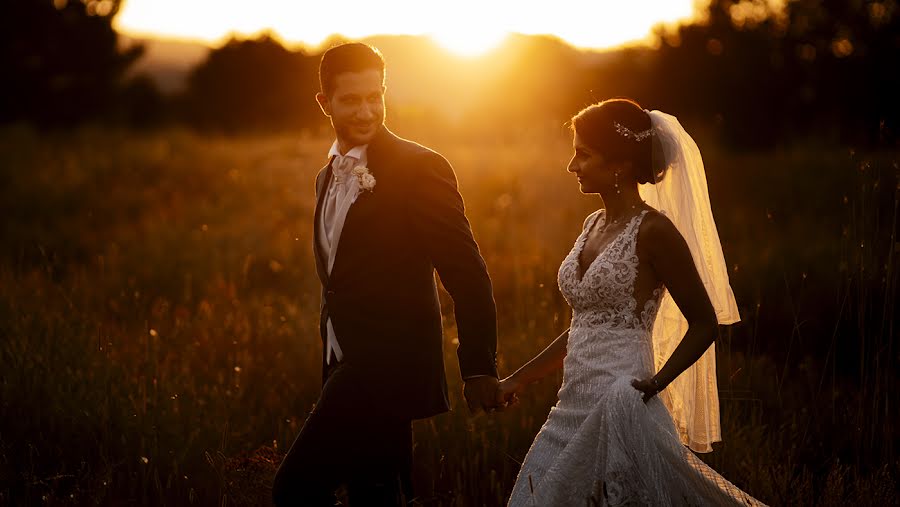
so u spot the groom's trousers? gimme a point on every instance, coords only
(348, 439)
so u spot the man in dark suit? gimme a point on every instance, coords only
(388, 214)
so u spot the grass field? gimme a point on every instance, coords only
(158, 316)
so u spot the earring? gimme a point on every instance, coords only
(616, 185)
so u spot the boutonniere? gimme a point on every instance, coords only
(364, 177)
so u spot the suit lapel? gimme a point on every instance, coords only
(321, 261)
(376, 157)
(379, 147)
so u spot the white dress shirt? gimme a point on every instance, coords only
(341, 194)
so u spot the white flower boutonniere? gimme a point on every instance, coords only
(364, 177)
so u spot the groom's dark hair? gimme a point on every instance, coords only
(350, 57)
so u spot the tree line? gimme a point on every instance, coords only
(761, 75)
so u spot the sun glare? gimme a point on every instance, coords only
(465, 27)
(468, 44)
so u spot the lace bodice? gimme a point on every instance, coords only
(604, 296)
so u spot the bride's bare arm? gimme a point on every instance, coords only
(671, 260)
(543, 364)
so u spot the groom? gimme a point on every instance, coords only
(388, 214)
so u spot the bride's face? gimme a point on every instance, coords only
(594, 174)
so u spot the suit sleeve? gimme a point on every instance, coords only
(438, 216)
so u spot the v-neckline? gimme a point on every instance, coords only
(584, 239)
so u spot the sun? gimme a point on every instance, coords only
(469, 44)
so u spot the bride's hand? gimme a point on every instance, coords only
(649, 388)
(510, 389)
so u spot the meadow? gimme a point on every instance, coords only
(159, 312)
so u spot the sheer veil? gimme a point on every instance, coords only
(681, 194)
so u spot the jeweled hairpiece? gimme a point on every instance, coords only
(624, 131)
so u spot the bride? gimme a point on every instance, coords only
(648, 285)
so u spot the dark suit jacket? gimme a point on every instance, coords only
(381, 294)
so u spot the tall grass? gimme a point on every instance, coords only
(158, 316)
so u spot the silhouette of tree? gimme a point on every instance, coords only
(253, 85)
(61, 61)
(769, 75)
(140, 103)
(845, 55)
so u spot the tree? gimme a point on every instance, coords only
(254, 84)
(768, 75)
(61, 61)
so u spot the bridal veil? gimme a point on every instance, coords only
(681, 193)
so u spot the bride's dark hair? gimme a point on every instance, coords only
(597, 127)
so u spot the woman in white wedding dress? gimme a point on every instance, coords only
(648, 285)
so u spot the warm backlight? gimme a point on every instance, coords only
(468, 44)
(467, 27)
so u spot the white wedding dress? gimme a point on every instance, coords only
(601, 445)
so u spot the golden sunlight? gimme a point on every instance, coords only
(469, 44)
(468, 27)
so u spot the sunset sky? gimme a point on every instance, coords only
(466, 26)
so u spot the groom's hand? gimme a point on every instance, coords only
(482, 393)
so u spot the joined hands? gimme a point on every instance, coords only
(483, 394)
(490, 395)
(509, 389)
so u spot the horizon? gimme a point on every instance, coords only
(648, 42)
(168, 61)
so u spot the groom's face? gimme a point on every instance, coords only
(355, 106)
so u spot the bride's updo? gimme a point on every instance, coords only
(620, 130)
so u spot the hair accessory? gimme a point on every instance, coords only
(624, 131)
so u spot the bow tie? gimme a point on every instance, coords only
(342, 166)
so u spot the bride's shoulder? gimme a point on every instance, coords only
(654, 219)
(592, 217)
(658, 231)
